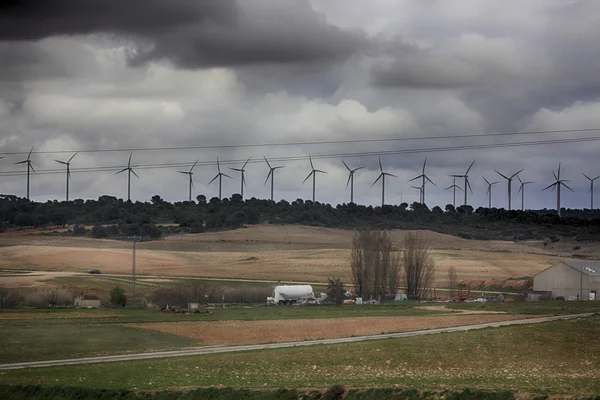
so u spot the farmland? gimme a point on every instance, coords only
(548, 358)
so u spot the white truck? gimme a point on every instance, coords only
(292, 294)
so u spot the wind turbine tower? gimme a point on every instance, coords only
(351, 179)
(522, 191)
(219, 175)
(591, 190)
(424, 178)
(68, 164)
(29, 168)
(382, 176)
(467, 183)
(313, 173)
(271, 175)
(489, 191)
(243, 180)
(129, 172)
(509, 179)
(454, 186)
(190, 173)
(556, 185)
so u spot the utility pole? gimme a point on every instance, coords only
(581, 286)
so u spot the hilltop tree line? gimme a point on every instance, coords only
(113, 217)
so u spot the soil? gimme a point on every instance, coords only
(253, 332)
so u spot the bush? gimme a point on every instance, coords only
(335, 392)
(117, 297)
(79, 230)
(9, 299)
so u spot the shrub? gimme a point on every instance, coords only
(117, 297)
(52, 297)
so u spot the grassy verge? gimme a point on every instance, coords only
(550, 358)
(552, 307)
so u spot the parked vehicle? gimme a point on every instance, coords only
(292, 294)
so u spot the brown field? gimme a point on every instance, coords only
(269, 252)
(253, 332)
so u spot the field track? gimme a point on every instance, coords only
(229, 349)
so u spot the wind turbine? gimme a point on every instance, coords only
(219, 175)
(425, 178)
(489, 191)
(313, 172)
(190, 174)
(129, 172)
(522, 191)
(271, 175)
(382, 176)
(556, 185)
(420, 189)
(351, 179)
(29, 168)
(509, 185)
(591, 190)
(467, 184)
(454, 186)
(68, 164)
(242, 170)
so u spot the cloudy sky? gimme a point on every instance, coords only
(185, 80)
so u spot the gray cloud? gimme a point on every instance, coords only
(191, 34)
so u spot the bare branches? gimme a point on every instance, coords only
(418, 265)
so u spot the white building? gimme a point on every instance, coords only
(570, 279)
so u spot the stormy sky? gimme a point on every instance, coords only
(185, 80)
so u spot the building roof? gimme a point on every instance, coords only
(591, 268)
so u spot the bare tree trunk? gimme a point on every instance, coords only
(419, 267)
(452, 280)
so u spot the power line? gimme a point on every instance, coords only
(317, 156)
(310, 143)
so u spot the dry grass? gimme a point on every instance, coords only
(295, 253)
(252, 332)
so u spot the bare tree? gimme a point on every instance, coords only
(375, 264)
(418, 265)
(452, 280)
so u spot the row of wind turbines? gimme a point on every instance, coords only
(423, 177)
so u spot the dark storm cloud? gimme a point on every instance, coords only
(191, 34)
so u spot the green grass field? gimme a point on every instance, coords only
(561, 357)
(37, 334)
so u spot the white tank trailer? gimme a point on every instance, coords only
(291, 294)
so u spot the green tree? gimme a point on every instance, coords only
(117, 297)
(335, 290)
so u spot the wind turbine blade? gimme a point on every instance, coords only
(21, 162)
(182, 172)
(62, 162)
(470, 166)
(309, 175)
(268, 176)
(519, 178)
(516, 173)
(321, 171)
(567, 186)
(311, 163)
(31, 166)
(558, 170)
(68, 174)
(356, 169)
(555, 177)
(218, 166)
(133, 172)
(267, 161)
(346, 165)
(586, 176)
(502, 175)
(193, 165)
(520, 188)
(596, 178)
(415, 178)
(424, 164)
(493, 183)
(469, 185)
(550, 186)
(246, 163)
(486, 181)
(213, 179)
(430, 181)
(191, 181)
(380, 167)
(129, 162)
(224, 174)
(449, 187)
(30, 151)
(459, 188)
(387, 173)
(279, 167)
(376, 180)
(236, 169)
(72, 157)
(123, 170)
(244, 180)
(349, 177)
